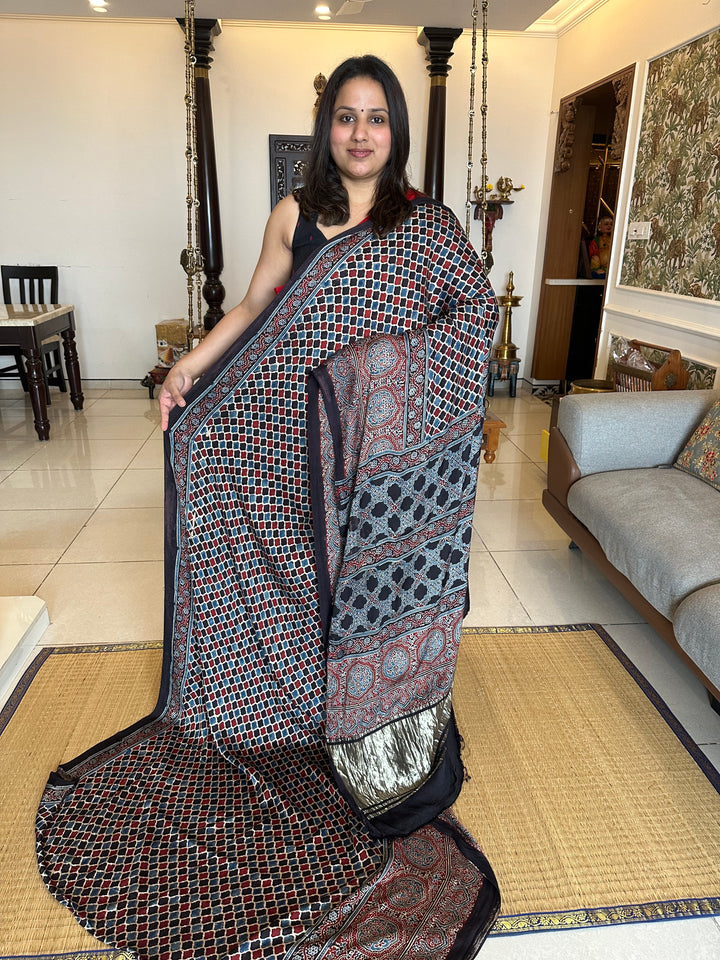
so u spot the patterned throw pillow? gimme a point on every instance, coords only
(701, 456)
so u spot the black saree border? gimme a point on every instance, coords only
(484, 913)
(320, 384)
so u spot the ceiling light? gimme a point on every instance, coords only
(100, 9)
(322, 9)
(324, 16)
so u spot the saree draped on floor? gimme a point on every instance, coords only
(288, 796)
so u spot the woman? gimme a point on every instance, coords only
(288, 796)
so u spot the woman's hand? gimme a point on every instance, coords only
(273, 270)
(173, 390)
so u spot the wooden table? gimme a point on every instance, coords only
(25, 326)
(491, 435)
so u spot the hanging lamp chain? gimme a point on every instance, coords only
(471, 118)
(483, 132)
(483, 120)
(191, 258)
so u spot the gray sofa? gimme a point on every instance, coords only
(653, 530)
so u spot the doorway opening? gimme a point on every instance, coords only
(589, 155)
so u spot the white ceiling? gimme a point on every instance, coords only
(502, 14)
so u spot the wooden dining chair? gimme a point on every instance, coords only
(34, 285)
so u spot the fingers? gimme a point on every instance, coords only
(171, 395)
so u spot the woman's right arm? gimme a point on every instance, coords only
(273, 270)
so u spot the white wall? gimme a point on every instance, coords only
(92, 176)
(520, 77)
(619, 33)
(95, 177)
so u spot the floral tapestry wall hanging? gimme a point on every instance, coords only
(677, 176)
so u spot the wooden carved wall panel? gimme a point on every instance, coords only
(566, 134)
(288, 156)
(622, 86)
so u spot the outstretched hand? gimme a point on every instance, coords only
(172, 393)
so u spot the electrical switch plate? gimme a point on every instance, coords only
(639, 230)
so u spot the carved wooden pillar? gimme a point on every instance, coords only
(210, 232)
(438, 43)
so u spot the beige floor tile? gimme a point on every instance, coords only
(22, 580)
(3, 474)
(10, 395)
(537, 402)
(127, 393)
(106, 428)
(58, 402)
(18, 423)
(151, 455)
(518, 423)
(672, 940)
(517, 525)
(13, 453)
(502, 402)
(62, 489)
(109, 407)
(104, 602)
(529, 444)
(510, 481)
(492, 600)
(135, 488)
(563, 586)
(84, 454)
(507, 452)
(38, 536)
(93, 393)
(118, 535)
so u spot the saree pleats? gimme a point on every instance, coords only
(288, 796)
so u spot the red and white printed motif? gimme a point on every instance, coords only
(428, 892)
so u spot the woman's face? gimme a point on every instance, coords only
(360, 132)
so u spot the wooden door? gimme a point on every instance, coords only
(567, 203)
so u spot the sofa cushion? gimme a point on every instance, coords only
(624, 431)
(659, 527)
(701, 456)
(696, 629)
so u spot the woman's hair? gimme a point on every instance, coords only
(323, 192)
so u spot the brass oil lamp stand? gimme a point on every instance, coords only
(504, 362)
(506, 349)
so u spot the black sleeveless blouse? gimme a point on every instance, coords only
(307, 240)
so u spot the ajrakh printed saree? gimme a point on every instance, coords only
(288, 796)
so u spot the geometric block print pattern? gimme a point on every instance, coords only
(215, 828)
